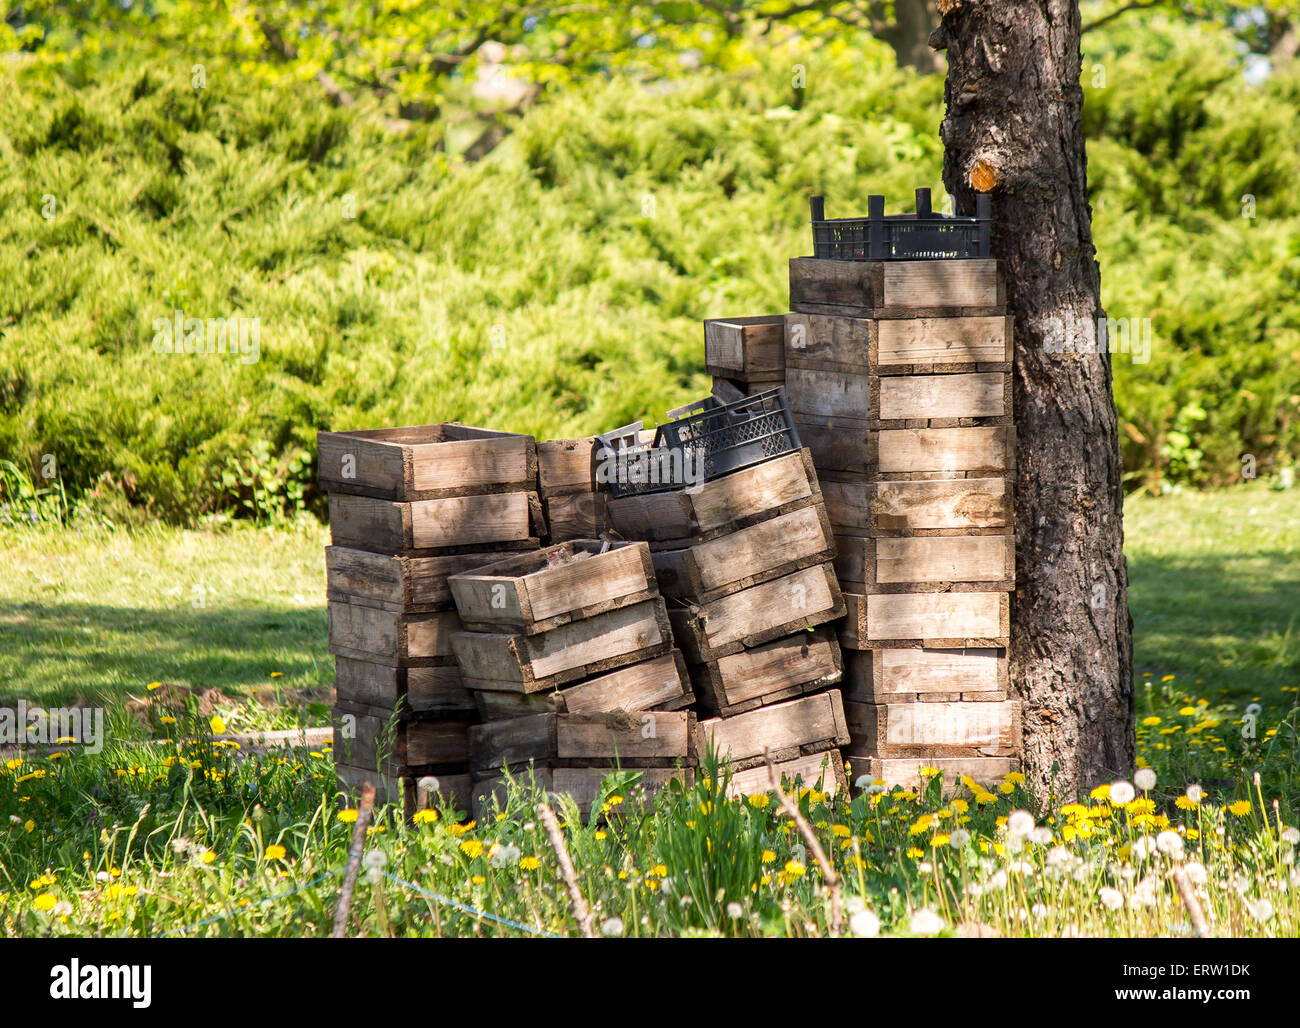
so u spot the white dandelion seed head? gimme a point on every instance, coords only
(1169, 843)
(864, 924)
(684, 902)
(925, 867)
(666, 886)
(1111, 899)
(612, 928)
(428, 784)
(1020, 822)
(863, 782)
(505, 856)
(102, 876)
(1143, 849)
(853, 904)
(1121, 793)
(376, 859)
(735, 910)
(1261, 910)
(14, 819)
(1195, 793)
(1038, 911)
(925, 922)
(1041, 836)
(62, 909)
(1058, 856)
(959, 838)
(998, 880)
(1291, 835)
(1145, 779)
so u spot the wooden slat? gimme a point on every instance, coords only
(830, 394)
(459, 523)
(406, 583)
(979, 395)
(922, 342)
(945, 620)
(980, 563)
(414, 691)
(965, 504)
(564, 467)
(922, 284)
(947, 449)
(577, 516)
(814, 719)
(823, 771)
(989, 729)
(904, 772)
(785, 667)
(896, 674)
(386, 637)
(747, 349)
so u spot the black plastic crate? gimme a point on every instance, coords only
(901, 237)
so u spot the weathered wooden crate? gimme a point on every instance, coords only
(966, 505)
(932, 563)
(938, 729)
(822, 771)
(897, 289)
(663, 738)
(976, 399)
(658, 684)
(565, 467)
(576, 516)
(749, 350)
(785, 731)
(747, 557)
(455, 524)
(682, 517)
(535, 592)
(512, 662)
(920, 673)
(422, 462)
(776, 671)
(952, 620)
(367, 740)
(849, 446)
(408, 584)
(860, 345)
(759, 614)
(582, 784)
(387, 636)
(905, 772)
(454, 790)
(411, 692)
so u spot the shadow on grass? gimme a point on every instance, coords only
(56, 652)
(1231, 621)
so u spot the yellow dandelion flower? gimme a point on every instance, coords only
(348, 816)
(218, 724)
(1151, 722)
(1241, 808)
(275, 852)
(45, 901)
(425, 817)
(153, 685)
(928, 772)
(914, 853)
(759, 800)
(530, 863)
(768, 856)
(1102, 792)
(794, 869)
(472, 848)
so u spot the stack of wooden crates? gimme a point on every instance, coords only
(409, 507)
(898, 374)
(569, 656)
(745, 560)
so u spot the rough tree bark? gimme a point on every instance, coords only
(1013, 128)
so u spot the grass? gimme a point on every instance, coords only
(145, 840)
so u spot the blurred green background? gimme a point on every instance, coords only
(517, 217)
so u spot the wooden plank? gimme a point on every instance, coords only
(897, 674)
(944, 620)
(747, 557)
(947, 449)
(387, 637)
(956, 283)
(935, 729)
(565, 654)
(979, 395)
(823, 771)
(758, 614)
(413, 691)
(747, 349)
(786, 667)
(860, 508)
(828, 394)
(409, 584)
(565, 467)
(819, 341)
(536, 592)
(425, 461)
(428, 527)
(366, 741)
(724, 505)
(905, 772)
(897, 289)
(658, 684)
(577, 516)
(922, 342)
(980, 563)
(808, 721)
(582, 784)
(849, 283)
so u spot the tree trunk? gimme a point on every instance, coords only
(908, 32)
(1013, 128)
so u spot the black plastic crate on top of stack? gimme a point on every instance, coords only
(898, 372)
(743, 553)
(569, 657)
(409, 507)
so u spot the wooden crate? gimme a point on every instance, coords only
(966, 505)
(456, 524)
(776, 671)
(861, 345)
(748, 350)
(658, 684)
(582, 784)
(576, 516)
(747, 557)
(663, 738)
(850, 446)
(565, 467)
(905, 772)
(901, 401)
(422, 462)
(759, 614)
(918, 673)
(953, 620)
(937, 729)
(409, 584)
(505, 662)
(536, 592)
(932, 563)
(367, 740)
(682, 517)
(386, 636)
(785, 731)
(897, 289)
(411, 692)
(823, 771)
